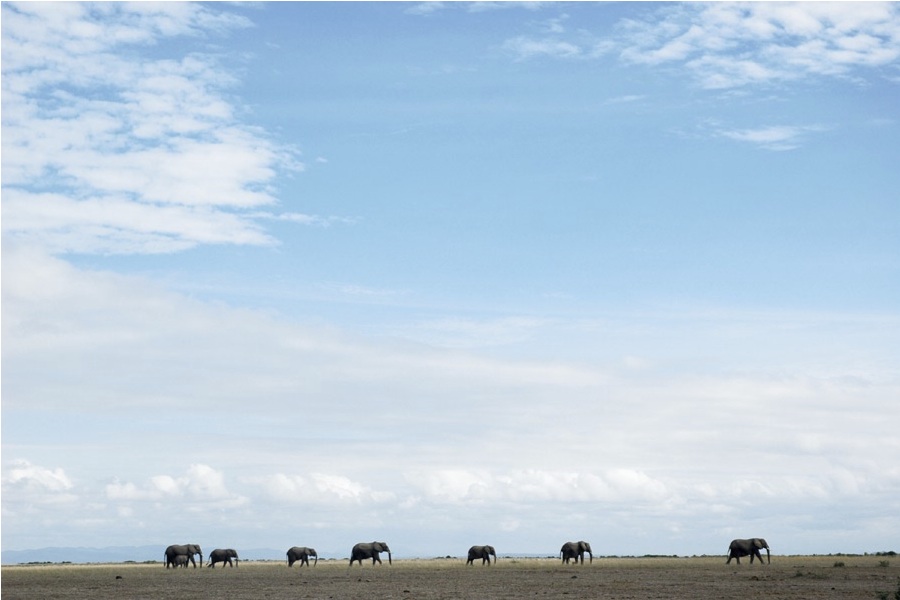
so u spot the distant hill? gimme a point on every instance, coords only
(116, 554)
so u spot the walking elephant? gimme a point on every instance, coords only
(223, 555)
(575, 550)
(188, 550)
(751, 548)
(301, 553)
(482, 552)
(180, 560)
(369, 550)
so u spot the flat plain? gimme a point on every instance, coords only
(697, 578)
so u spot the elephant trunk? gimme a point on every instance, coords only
(389, 559)
(315, 562)
(591, 554)
(768, 556)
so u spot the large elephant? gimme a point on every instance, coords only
(180, 560)
(751, 548)
(188, 550)
(223, 555)
(369, 550)
(482, 552)
(575, 550)
(301, 553)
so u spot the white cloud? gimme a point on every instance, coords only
(536, 486)
(320, 491)
(729, 45)
(734, 44)
(23, 474)
(201, 483)
(784, 137)
(476, 7)
(524, 48)
(425, 8)
(107, 153)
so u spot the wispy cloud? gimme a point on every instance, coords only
(425, 8)
(103, 152)
(488, 6)
(734, 44)
(525, 47)
(784, 137)
(729, 45)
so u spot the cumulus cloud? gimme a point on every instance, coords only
(537, 486)
(200, 483)
(32, 477)
(320, 489)
(28, 488)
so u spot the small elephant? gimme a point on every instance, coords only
(575, 550)
(180, 560)
(751, 548)
(482, 552)
(369, 550)
(223, 556)
(188, 550)
(301, 553)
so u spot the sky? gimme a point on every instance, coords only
(447, 274)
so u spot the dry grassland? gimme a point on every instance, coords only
(705, 578)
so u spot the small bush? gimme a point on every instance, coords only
(884, 563)
(839, 564)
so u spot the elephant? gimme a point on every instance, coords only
(301, 553)
(482, 552)
(223, 556)
(181, 560)
(188, 550)
(575, 550)
(369, 550)
(751, 548)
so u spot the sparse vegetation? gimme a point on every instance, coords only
(513, 577)
(887, 595)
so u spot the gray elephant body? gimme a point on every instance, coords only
(575, 550)
(223, 555)
(369, 550)
(482, 552)
(188, 550)
(301, 553)
(751, 548)
(180, 560)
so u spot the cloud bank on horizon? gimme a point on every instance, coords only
(310, 273)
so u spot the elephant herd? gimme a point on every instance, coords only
(181, 555)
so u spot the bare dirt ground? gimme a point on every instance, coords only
(704, 578)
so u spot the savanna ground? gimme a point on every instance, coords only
(698, 578)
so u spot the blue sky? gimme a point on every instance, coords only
(444, 274)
